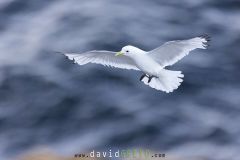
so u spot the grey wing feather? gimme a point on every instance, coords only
(106, 58)
(172, 51)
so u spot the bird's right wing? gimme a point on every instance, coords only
(171, 52)
(106, 58)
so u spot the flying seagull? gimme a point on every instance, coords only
(151, 63)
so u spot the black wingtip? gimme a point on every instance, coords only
(206, 37)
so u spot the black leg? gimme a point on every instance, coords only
(150, 78)
(144, 75)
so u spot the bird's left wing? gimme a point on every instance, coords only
(171, 52)
(106, 58)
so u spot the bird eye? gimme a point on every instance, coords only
(127, 51)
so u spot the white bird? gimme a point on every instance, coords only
(151, 63)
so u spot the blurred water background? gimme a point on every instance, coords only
(47, 101)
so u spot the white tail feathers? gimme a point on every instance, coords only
(167, 80)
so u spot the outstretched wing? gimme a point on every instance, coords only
(106, 58)
(172, 51)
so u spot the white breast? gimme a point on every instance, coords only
(147, 64)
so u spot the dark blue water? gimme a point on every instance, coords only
(48, 102)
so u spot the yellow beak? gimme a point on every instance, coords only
(119, 54)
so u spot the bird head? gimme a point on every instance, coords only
(128, 51)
